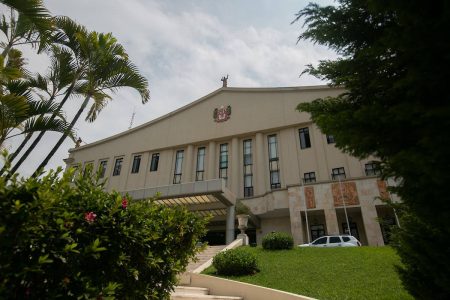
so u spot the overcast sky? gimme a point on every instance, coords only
(184, 48)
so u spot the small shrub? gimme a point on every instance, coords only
(235, 262)
(277, 241)
(72, 240)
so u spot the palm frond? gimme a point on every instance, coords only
(33, 10)
(45, 123)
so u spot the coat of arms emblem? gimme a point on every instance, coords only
(222, 113)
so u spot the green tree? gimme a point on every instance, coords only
(393, 62)
(107, 69)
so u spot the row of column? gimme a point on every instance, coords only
(212, 167)
(260, 165)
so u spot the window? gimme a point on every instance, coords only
(334, 239)
(274, 168)
(248, 164)
(154, 162)
(102, 168)
(330, 139)
(320, 241)
(117, 166)
(345, 238)
(200, 164)
(338, 173)
(309, 177)
(305, 142)
(223, 163)
(372, 169)
(178, 167)
(136, 164)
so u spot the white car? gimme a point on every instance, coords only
(334, 241)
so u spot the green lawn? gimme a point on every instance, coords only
(329, 273)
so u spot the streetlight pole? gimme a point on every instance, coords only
(306, 209)
(343, 203)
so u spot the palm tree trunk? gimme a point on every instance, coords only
(12, 156)
(61, 140)
(41, 134)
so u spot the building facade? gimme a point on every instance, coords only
(249, 145)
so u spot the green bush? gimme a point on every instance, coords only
(72, 240)
(235, 262)
(277, 241)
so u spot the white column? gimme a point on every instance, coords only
(260, 170)
(212, 167)
(188, 163)
(229, 234)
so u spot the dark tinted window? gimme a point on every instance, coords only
(154, 163)
(335, 239)
(136, 164)
(320, 241)
(345, 238)
(304, 138)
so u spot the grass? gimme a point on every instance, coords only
(328, 273)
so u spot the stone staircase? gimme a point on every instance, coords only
(204, 256)
(197, 293)
(194, 293)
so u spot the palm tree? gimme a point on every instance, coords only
(47, 87)
(69, 64)
(108, 69)
(29, 23)
(57, 82)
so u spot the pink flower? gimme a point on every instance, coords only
(90, 217)
(124, 203)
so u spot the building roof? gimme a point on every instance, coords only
(202, 99)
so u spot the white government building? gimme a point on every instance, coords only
(252, 145)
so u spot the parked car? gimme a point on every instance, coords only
(334, 241)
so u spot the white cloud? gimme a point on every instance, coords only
(184, 50)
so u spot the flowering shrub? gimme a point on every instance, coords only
(72, 240)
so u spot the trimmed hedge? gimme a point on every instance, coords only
(72, 240)
(235, 262)
(277, 241)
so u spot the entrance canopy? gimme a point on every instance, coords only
(209, 197)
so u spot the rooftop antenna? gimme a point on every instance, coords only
(132, 117)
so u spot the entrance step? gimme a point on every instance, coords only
(191, 290)
(204, 256)
(192, 293)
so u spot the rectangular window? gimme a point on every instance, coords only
(136, 164)
(200, 164)
(305, 142)
(372, 169)
(223, 163)
(102, 168)
(309, 177)
(117, 166)
(274, 167)
(154, 162)
(248, 172)
(178, 166)
(338, 173)
(330, 139)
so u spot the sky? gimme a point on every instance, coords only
(183, 48)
